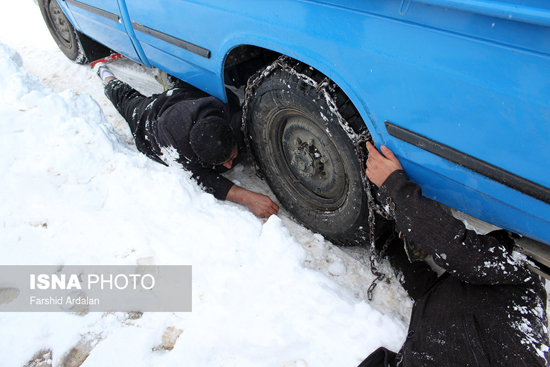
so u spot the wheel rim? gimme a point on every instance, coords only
(308, 160)
(60, 22)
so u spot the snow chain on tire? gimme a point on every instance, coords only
(359, 140)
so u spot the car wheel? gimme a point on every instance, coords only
(308, 159)
(62, 30)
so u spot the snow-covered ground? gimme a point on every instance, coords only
(74, 190)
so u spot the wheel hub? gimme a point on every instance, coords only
(311, 162)
(307, 160)
(59, 21)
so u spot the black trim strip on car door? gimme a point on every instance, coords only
(474, 164)
(173, 40)
(94, 10)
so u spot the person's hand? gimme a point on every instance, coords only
(380, 167)
(260, 205)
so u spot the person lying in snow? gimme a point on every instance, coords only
(487, 309)
(203, 132)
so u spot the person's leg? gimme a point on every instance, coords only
(129, 102)
(416, 277)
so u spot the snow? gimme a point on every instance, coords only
(75, 191)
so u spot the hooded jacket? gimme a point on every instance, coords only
(487, 309)
(166, 123)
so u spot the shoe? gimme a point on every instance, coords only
(100, 66)
(103, 72)
(97, 66)
(106, 60)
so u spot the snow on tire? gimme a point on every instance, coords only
(62, 31)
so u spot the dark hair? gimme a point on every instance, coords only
(212, 140)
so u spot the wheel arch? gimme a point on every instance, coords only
(235, 45)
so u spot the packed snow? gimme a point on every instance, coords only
(75, 191)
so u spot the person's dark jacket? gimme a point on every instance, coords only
(167, 122)
(488, 309)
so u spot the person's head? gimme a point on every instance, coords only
(213, 141)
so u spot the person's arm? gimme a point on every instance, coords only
(224, 189)
(210, 180)
(480, 259)
(260, 205)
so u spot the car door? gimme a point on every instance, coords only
(104, 21)
(175, 37)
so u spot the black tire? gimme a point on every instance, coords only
(62, 31)
(310, 162)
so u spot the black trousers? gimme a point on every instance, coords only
(129, 102)
(416, 277)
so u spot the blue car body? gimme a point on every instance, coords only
(458, 89)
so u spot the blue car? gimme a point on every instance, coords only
(459, 90)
